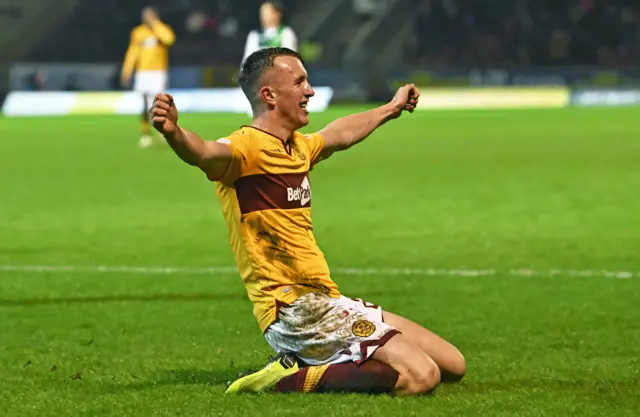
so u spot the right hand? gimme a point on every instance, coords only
(406, 99)
(164, 114)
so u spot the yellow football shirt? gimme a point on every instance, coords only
(149, 48)
(265, 196)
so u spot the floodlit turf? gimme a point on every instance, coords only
(556, 193)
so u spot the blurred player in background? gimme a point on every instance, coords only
(148, 55)
(273, 34)
(326, 342)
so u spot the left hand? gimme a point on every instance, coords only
(406, 99)
(164, 114)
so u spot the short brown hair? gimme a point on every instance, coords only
(255, 66)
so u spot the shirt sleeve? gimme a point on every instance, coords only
(131, 56)
(315, 141)
(241, 159)
(289, 39)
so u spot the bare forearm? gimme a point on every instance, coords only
(187, 145)
(351, 130)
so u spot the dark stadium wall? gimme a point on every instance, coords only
(3, 96)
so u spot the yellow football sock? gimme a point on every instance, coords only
(146, 128)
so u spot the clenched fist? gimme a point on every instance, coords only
(164, 114)
(406, 98)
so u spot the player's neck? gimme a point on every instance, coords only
(273, 127)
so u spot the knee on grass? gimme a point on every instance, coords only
(422, 380)
(456, 369)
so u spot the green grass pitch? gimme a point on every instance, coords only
(514, 234)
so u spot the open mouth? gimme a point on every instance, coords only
(304, 105)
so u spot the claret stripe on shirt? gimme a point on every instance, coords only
(273, 191)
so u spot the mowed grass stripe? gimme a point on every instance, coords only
(460, 272)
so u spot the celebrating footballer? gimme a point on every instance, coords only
(325, 341)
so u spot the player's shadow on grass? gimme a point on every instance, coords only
(216, 378)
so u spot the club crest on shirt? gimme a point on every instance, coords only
(298, 152)
(363, 328)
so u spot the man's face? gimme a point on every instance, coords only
(288, 90)
(269, 16)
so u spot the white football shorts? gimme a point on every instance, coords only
(150, 82)
(320, 330)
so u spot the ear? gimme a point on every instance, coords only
(268, 95)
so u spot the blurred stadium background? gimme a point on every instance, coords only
(360, 48)
(513, 233)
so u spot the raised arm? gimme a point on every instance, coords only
(163, 32)
(212, 158)
(350, 130)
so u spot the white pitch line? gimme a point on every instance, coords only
(338, 271)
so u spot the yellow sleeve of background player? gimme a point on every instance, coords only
(164, 33)
(131, 57)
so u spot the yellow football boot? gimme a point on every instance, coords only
(266, 378)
